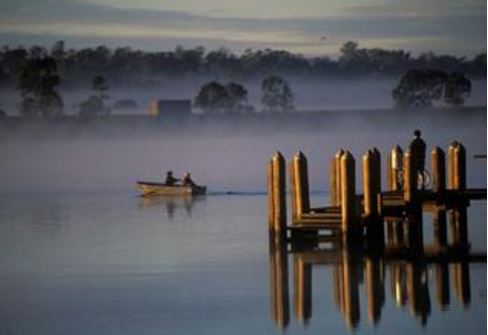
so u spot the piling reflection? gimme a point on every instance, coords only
(400, 259)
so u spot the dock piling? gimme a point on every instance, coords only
(438, 170)
(393, 168)
(337, 177)
(409, 180)
(348, 192)
(457, 166)
(277, 193)
(299, 182)
(371, 172)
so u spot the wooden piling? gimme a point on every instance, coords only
(333, 183)
(371, 172)
(450, 165)
(271, 213)
(409, 179)
(438, 170)
(338, 179)
(394, 166)
(456, 166)
(293, 191)
(299, 180)
(459, 165)
(348, 192)
(277, 193)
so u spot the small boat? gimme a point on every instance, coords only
(152, 188)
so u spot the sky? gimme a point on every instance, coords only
(309, 27)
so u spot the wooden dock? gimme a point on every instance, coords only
(350, 213)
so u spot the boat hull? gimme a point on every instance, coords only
(155, 189)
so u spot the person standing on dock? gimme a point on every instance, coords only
(417, 152)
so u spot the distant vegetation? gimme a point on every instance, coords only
(38, 72)
(420, 88)
(95, 104)
(38, 79)
(128, 66)
(277, 95)
(214, 98)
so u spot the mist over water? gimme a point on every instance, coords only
(309, 94)
(225, 155)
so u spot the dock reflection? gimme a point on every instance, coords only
(401, 256)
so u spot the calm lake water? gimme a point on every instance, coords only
(80, 253)
(113, 263)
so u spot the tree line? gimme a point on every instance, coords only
(128, 66)
(39, 78)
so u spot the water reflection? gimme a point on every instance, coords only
(171, 204)
(401, 255)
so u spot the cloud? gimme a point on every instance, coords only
(460, 32)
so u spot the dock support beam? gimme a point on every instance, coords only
(348, 192)
(277, 193)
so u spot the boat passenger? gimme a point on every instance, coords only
(187, 181)
(170, 180)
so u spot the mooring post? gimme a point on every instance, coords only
(277, 193)
(456, 166)
(371, 183)
(348, 192)
(459, 165)
(409, 179)
(299, 179)
(395, 165)
(367, 184)
(338, 179)
(438, 158)
(450, 165)
(333, 183)
(271, 210)
(293, 191)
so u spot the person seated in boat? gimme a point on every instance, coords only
(170, 180)
(187, 181)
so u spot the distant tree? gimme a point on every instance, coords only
(419, 88)
(37, 83)
(457, 88)
(212, 98)
(237, 97)
(95, 104)
(277, 95)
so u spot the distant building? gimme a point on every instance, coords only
(170, 108)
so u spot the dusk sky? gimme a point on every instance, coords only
(311, 27)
